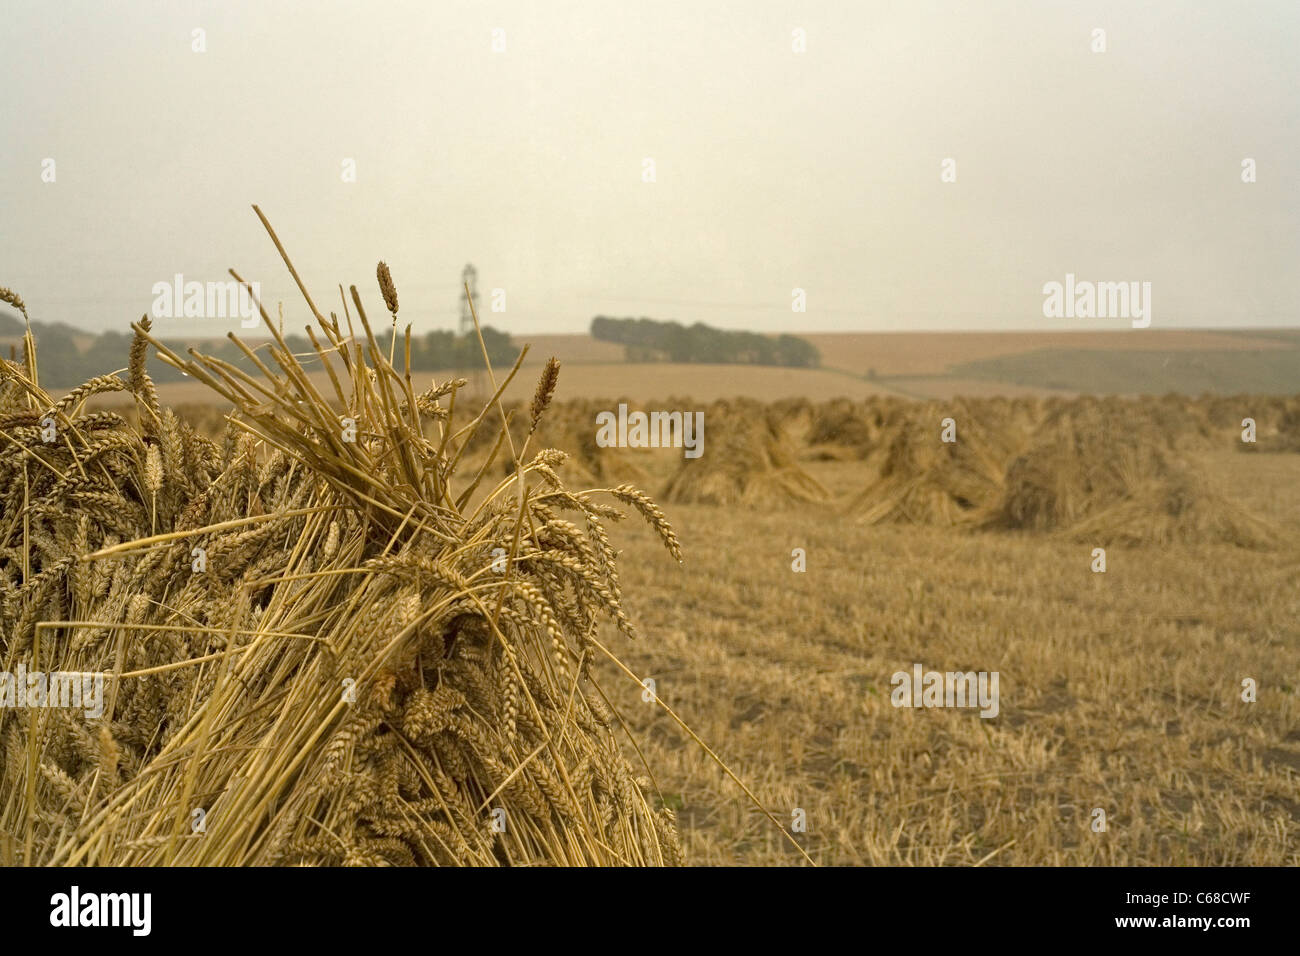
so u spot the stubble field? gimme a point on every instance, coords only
(1127, 568)
(1120, 691)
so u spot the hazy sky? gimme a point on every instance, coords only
(775, 169)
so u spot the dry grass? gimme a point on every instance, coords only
(1119, 691)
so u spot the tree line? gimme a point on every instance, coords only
(651, 340)
(65, 365)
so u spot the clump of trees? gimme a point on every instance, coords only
(649, 340)
(68, 359)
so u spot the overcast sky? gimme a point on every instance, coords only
(774, 169)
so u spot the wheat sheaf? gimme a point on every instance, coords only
(324, 640)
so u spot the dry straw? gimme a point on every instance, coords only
(923, 479)
(329, 645)
(748, 460)
(570, 426)
(1105, 472)
(843, 429)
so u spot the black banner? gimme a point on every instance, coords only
(335, 906)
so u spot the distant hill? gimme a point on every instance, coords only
(1145, 372)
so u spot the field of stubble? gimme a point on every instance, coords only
(1119, 691)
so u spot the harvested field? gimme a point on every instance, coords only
(611, 380)
(934, 353)
(1120, 690)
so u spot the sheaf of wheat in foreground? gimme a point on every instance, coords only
(327, 640)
